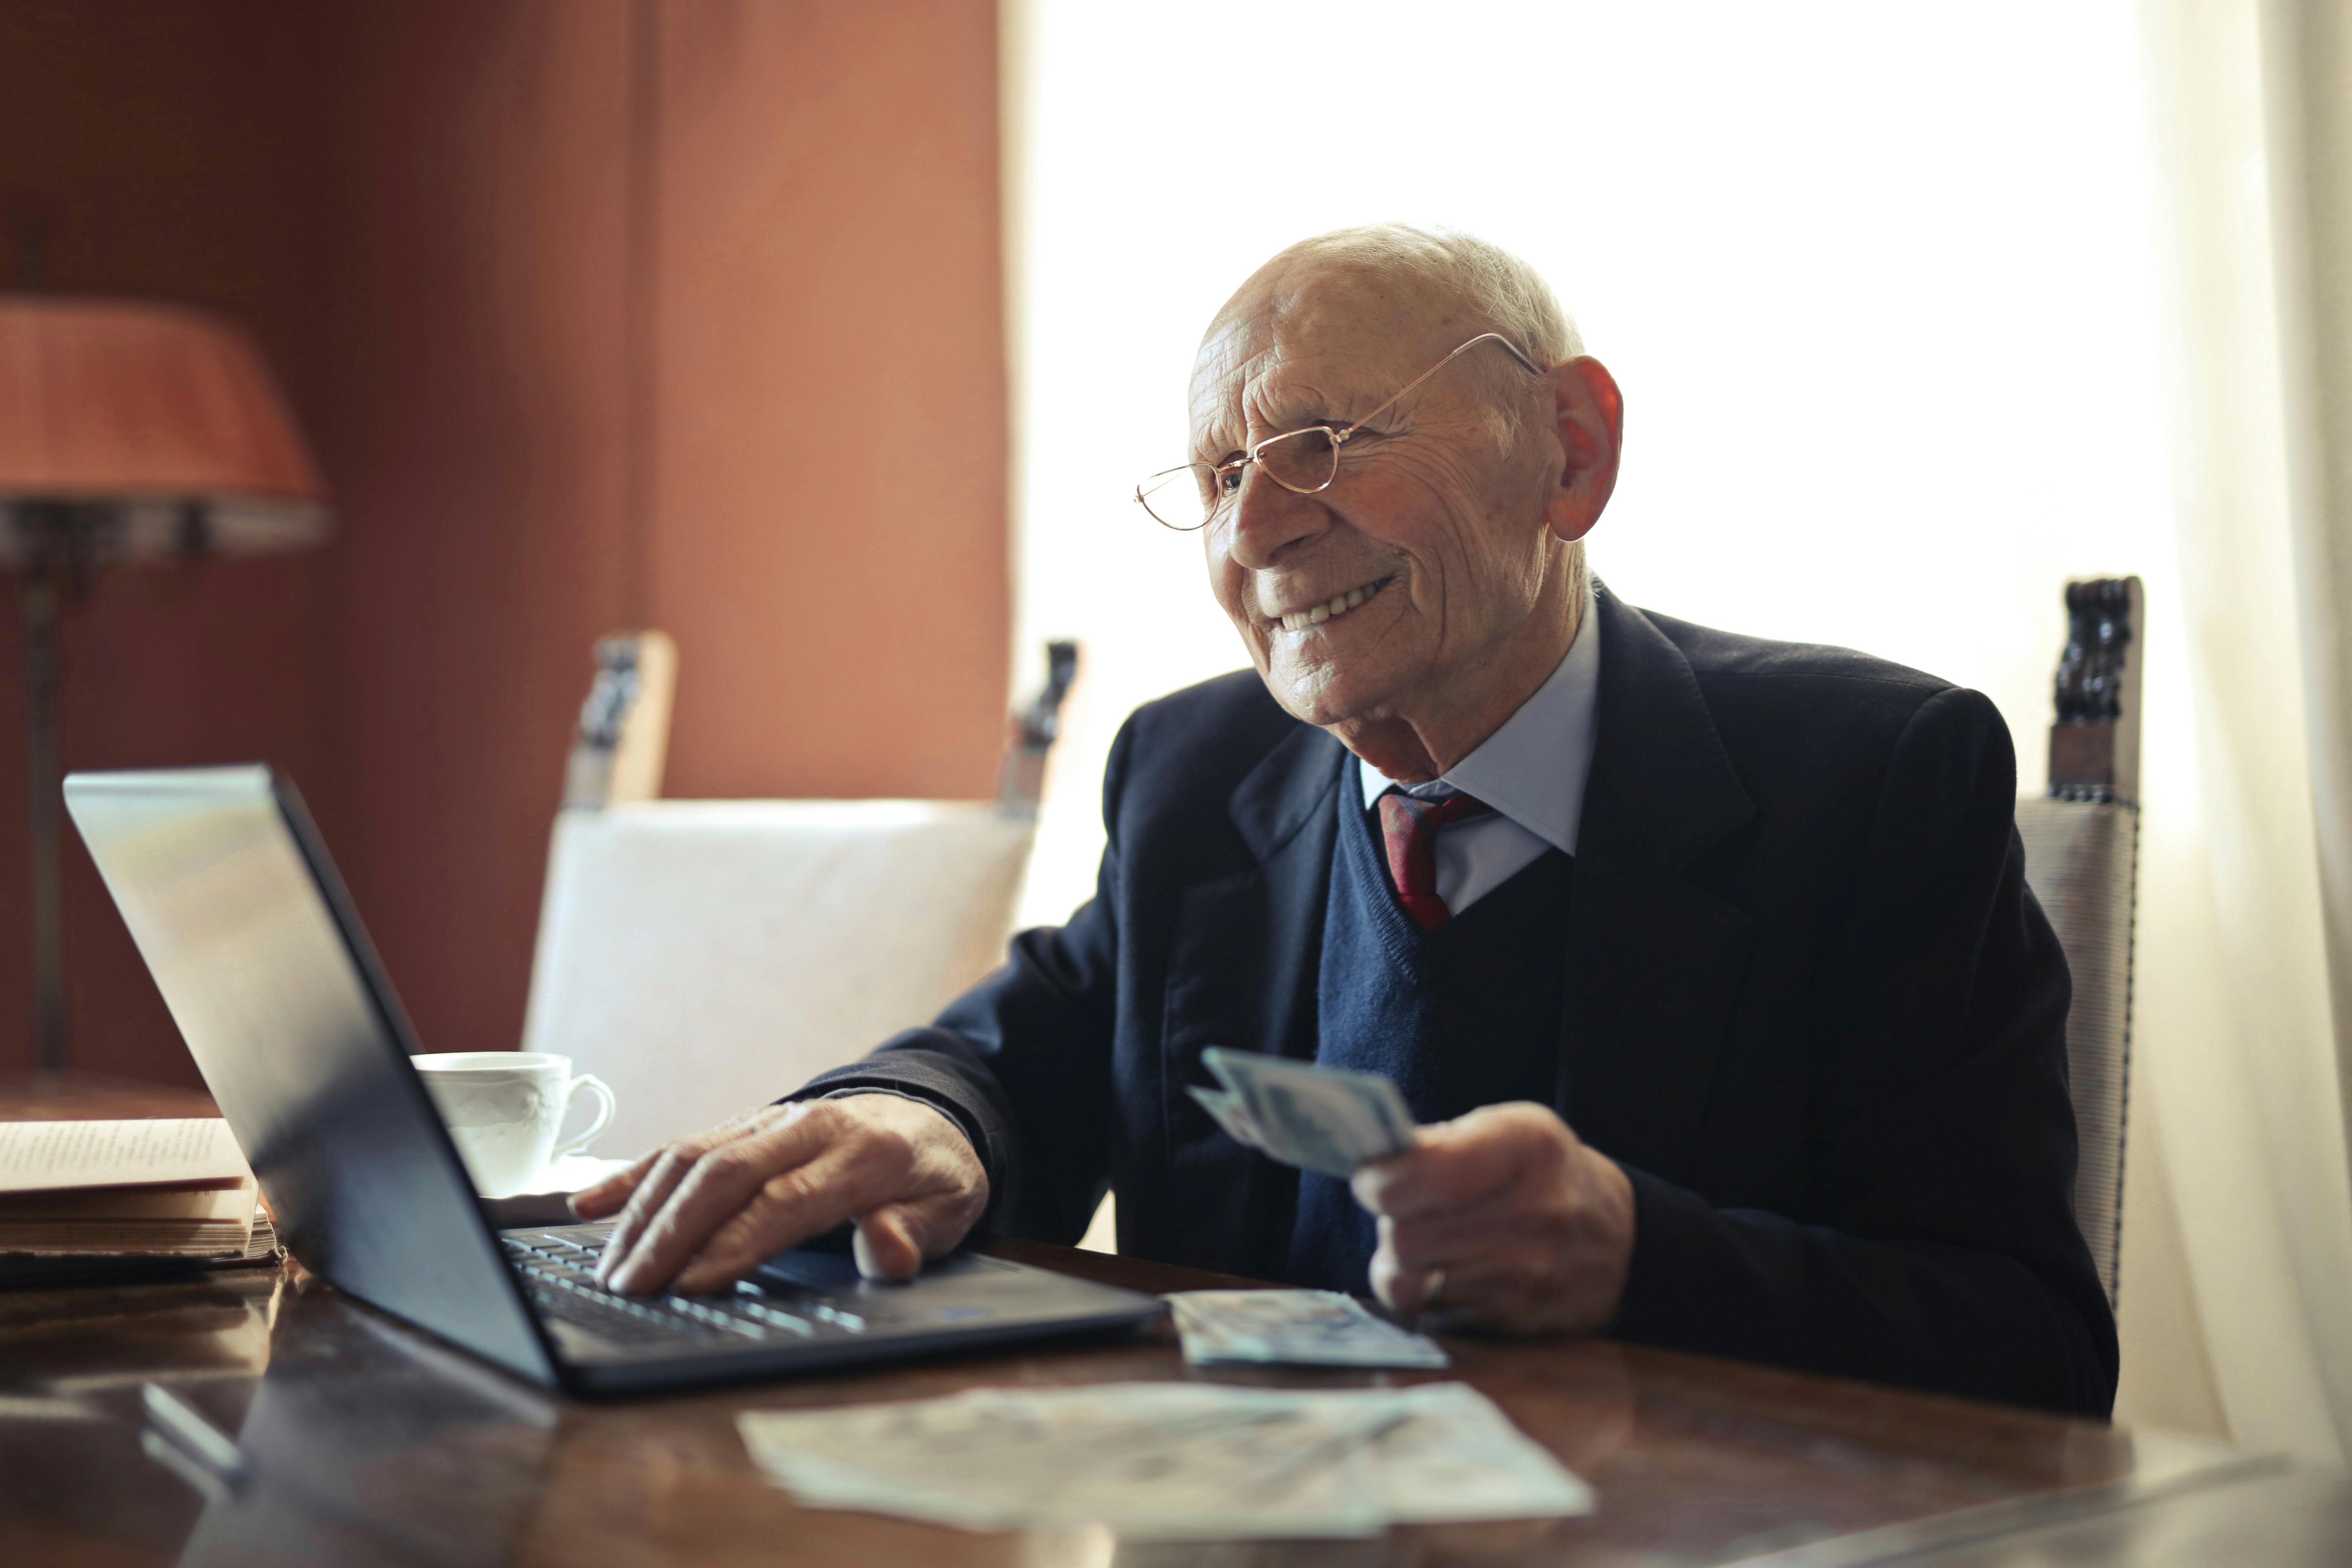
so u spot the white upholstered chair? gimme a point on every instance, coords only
(706, 957)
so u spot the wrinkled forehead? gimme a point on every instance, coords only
(1314, 335)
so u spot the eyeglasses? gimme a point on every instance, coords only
(1305, 461)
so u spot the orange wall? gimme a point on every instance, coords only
(597, 311)
(478, 437)
(830, 417)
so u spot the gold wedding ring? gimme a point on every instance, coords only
(1432, 1286)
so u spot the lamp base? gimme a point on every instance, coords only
(60, 543)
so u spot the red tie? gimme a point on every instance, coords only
(1411, 826)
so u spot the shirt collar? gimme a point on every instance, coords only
(1534, 768)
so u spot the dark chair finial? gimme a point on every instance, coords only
(1036, 727)
(2095, 744)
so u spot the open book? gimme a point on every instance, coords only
(147, 1190)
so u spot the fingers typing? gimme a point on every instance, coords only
(886, 1247)
(607, 1196)
(745, 1225)
(684, 1197)
(713, 1207)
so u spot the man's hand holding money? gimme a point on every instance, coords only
(1503, 1219)
(1500, 1219)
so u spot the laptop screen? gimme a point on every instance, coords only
(242, 920)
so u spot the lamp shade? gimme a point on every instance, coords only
(164, 415)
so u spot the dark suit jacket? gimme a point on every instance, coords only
(1810, 1007)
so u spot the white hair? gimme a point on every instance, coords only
(1496, 288)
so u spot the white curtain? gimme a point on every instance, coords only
(1919, 312)
(2238, 1067)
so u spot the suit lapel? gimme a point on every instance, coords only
(1654, 960)
(1241, 970)
(1284, 812)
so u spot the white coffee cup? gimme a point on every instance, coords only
(505, 1108)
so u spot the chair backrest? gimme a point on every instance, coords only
(706, 957)
(1020, 781)
(2080, 859)
(2082, 851)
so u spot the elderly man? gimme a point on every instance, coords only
(1707, 962)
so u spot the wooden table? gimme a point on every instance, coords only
(363, 1441)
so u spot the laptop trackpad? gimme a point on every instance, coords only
(831, 1273)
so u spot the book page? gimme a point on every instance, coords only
(41, 1156)
(180, 1206)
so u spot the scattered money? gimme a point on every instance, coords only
(1319, 1119)
(1295, 1328)
(1170, 1461)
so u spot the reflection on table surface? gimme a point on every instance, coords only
(359, 1440)
(297, 1426)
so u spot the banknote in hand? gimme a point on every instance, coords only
(1229, 1114)
(1326, 1120)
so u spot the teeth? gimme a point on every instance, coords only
(1339, 604)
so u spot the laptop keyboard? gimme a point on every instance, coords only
(560, 1273)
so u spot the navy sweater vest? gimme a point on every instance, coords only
(1465, 1015)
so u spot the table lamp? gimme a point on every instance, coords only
(128, 432)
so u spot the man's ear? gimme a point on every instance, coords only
(1589, 413)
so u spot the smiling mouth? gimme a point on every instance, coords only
(1315, 616)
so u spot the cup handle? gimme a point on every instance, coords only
(603, 1113)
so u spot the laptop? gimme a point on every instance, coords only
(253, 941)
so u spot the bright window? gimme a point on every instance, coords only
(1876, 280)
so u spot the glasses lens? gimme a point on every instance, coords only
(1179, 498)
(1303, 461)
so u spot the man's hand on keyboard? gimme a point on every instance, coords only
(710, 1208)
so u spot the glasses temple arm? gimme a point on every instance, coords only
(1340, 435)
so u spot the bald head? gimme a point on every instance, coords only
(1480, 281)
(1417, 290)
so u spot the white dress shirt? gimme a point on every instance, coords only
(1532, 770)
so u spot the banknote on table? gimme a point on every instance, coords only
(1295, 1328)
(1155, 1460)
(1168, 1461)
(1457, 1458)
(1326, 1120)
